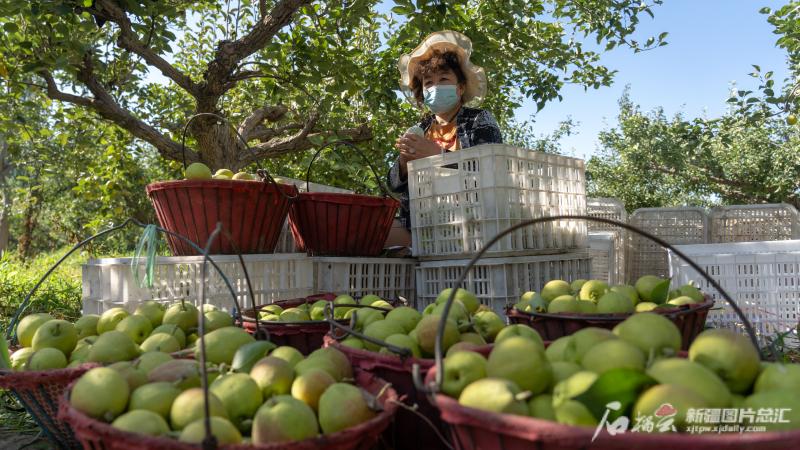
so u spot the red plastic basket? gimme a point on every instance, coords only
(305, 337)
(690, 319)
(40, 392)
(94, 434)
(474, 429)
(252, 212)
(407, 431)
(334, 224)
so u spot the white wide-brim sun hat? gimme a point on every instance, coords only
(475, 88)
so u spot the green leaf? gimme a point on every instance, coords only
(403, 10)
(661, 292)
(10, 27)
(5, 359)
(615, 385)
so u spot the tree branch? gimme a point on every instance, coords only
(264, 134)
(128, 40)
(106, 107)
(276, 147)
(271, 113)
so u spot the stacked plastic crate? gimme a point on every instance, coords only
(606, 241)
(461, 200)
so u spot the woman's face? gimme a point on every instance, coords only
(442, 77)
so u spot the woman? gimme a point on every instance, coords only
(438, 75)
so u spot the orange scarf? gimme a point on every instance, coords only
(444, 135)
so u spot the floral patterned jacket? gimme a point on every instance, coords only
(474, 127)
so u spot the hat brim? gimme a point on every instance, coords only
(476, 82)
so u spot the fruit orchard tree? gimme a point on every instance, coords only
(749, 155)
(291, 74)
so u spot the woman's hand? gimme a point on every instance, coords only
(413, 147)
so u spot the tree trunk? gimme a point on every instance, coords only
(217, 143)
(5, 190)
(29, 222)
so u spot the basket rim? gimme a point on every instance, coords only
(347, 199)
(19, 379)
(392, 359)
(681, 310)
(249, 185)
(389, 394)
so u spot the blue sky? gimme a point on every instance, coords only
(712, 43)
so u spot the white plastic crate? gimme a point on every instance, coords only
(605, 208)
(746, 223)
(460, 200)
(499, 281)
(388, 278)
(607, 249)
(109, 283)
(685, 225)
(286, 240)
(762, 277)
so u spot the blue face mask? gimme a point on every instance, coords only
(441, 98)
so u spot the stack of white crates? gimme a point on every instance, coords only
(607, 242)
(461, 200)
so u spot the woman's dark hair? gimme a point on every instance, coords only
(440, 61)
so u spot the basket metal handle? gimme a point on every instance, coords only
(400, 351)
(262, 173)
(435, 386)
(352, 146)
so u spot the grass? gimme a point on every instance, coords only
(17, 428)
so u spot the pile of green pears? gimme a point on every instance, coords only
(116, 336)
(597, 297)
(200, 171)
(637, 364)
(257, 394)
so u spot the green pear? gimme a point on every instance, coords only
(324, 364)
(317, 310)
(593, 290)
(557, 350)
(467, 298)
(28, 325)
(369, 299)
(221, 428)
(339, 312)
(339, 360)
(160, 342)
(626, 290)
(646, 286)
(20, 358)
(613, 354)
(113, 346)
(682, 300)
(406, 317)
(461, 346)
(284, 419)
(217, 319)
(152, 310)
(692, 292)
(541, 406)
(519, 330)
(291, 355)
(141, 421)
(583, 340)
(243, 176)
(81, 352)
(227, 173)
(134, 376)
(653, 333)
(784, 401)
(402, 341)
(366, 316)
(488, 324)
(273, 376)
(458, 313)
(383, 304)
(354, 342)
(587, 307)
(274, 309)
(58, 334)
(728, 354)
(150, 360)
(563, 304)
(474, 338)
(247, 355)
(342, 406)
(554, 289)
(572, 387)
(576, 286)
(777, 376)
(189, 406)
(646, 306)
(563, 370)
(614, 303)
(183, 314)
(241, 397)
(531, 372)
(182, 373)
(221, 344)
(109, 319)
(197, 171)
(494, 394)
(310, 386)
(429, 309)
(294, 315)
(426, 331)
(87, 325)
(46, 359)
(461, 369)
(531, 302)
(380, 330)
(574, 413)
(681, 398)
(101, 393)
(693, 376)
(137, 327)
(155, 397)
(172, 330)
